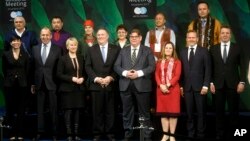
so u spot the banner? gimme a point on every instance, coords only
(14, 8)
(139, 9)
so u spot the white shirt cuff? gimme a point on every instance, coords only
(140, 73)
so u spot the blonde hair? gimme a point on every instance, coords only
(174, 54)
(71, 39)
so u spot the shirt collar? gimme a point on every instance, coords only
(105, 45)
(162, 28)
(227, 43)
(48, 45)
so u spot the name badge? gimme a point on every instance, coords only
(157, 47)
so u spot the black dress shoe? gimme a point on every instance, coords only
(69, 138)
(54, 138)
(96, 138)
(126, 139)
(37, 138)
(77, 138)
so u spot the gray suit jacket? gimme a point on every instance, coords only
(45, 71)
(145, 61)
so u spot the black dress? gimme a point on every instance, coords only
(72, 94)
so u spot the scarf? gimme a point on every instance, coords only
(165, 78)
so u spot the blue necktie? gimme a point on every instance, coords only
(44, 53)
(103, 54)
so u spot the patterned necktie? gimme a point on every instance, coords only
(44, 53)
(133, 57)
(103, 54)
(191, 56)
(225, 53)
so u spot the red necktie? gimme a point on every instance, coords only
(56, 36)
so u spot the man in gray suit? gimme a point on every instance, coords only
(135, 65)
(45, 60)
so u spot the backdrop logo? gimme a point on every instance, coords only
(141, 9)
(14, 8)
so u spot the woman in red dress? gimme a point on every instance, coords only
(167, 75)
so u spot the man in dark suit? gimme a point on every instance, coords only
(99, 65)
(45, 60)
(196, 74)
(135, 65)
(228, 80)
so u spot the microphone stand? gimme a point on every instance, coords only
(141, 127)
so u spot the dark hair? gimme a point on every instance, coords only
(102, 28)
(14, 37)
(135, 30)
(161, 13)
(121, 26)
(174, 55)
(202, 2)
(57, 17)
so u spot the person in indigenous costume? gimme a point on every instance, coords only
(207, 27)
(88, 39)
(159, 35)
(167, 75)
(59, 35)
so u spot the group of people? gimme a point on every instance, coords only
(62, 66)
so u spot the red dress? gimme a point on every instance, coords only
(168, 104)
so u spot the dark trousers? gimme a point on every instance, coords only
(195, 99)
(15, 98)
(103, 112)
(44, 94)
(143, 104)
(70, 114)
(232, 97)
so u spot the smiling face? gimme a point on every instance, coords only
(135, 39)
(16, 43)
(72, 45)
(191, 38)
(225, 34)
(102, 36)
(122, 34)
(45, 35)
(160, 20)
(169, 49)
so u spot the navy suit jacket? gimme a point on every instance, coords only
(45, 71)
(145, 61)
(200, 73)
(228, 72)
(96, 67)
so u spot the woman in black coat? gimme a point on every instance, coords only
(15, 66)
(72, 75)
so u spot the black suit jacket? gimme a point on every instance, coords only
(46, 71)
(200, 73)
(228, 72)
(65, 72)
(95, 66)
(145, 61)
(15, 69)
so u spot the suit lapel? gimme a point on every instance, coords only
(109, 51)
(98, 53)
(40, 52)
